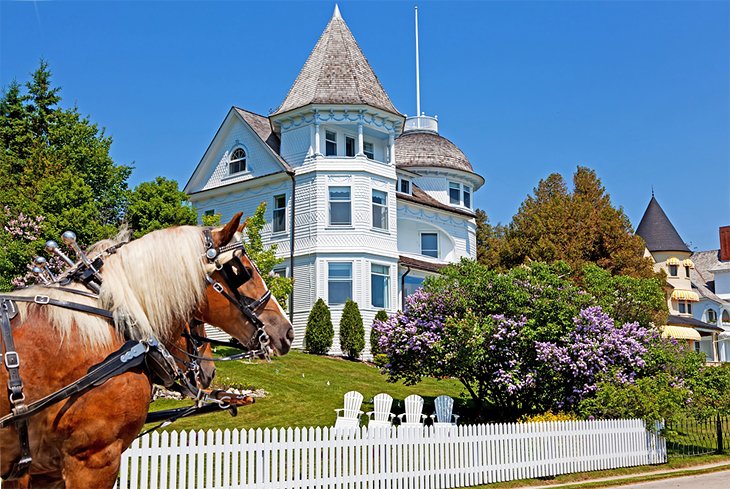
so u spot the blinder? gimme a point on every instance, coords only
(235, 274)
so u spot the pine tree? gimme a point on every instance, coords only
(352, 331)
(579, 227)
(381, 316)
(320, 332)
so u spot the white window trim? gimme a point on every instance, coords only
(410, 185)
(274, 209)
(372, 213)
(336, 141)
(231, 160)
(387, 301)
(352, 280)
(438, 244)
(372, 145)
(329, 208)
(354, 138)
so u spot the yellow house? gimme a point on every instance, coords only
(670, 253)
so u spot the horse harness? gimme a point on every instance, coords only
(159, 363)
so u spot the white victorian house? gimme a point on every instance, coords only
(362, 202)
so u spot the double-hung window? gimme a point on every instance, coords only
(340, 206)
(430, 244)
(349, 146)
(467, 197)
(339, 282)
(685, 307)
(330, 143)
(380, 209)
(379, 285)
(369, 150)
(279, 213)
(237, 161)
(454, 193)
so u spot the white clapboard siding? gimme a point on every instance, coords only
(387, 457)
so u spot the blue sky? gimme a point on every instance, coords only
(639, 91)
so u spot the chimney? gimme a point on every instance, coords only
(725, 243)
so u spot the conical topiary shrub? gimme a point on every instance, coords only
(320, 332)
(381, 316)
(352, 332)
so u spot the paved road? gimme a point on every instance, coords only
(715, 480)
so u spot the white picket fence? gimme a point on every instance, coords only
(384, 458)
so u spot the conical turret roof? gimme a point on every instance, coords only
(336, 72)
(658, 231)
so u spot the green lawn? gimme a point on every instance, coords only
(304, 390)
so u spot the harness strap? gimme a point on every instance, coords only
(90, 295)
(15, 391)
(44, 300)
(129, 356)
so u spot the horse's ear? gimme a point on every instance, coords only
(225, 235)
(242, 226)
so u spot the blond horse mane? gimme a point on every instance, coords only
(150, 285)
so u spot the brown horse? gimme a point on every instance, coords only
(153, 286)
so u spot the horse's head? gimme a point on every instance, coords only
(191, 353)
(238, 300)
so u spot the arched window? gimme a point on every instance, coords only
(237, 162)
(711, 316)
(726, 317)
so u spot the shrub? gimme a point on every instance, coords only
(319, 334)
(380, 317)
(548, 417)
(352, 332)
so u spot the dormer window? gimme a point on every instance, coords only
(330, 143)
(369, 150)
(711, 316)
(237, 162)
(405, 186)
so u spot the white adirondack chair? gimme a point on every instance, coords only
(349, 416)
(444, 412)
(380, 416)
(414, 412)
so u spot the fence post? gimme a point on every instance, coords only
(718, 423)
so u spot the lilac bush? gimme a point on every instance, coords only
(595, 347)
(523, 342)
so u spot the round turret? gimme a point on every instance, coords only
(421, 146)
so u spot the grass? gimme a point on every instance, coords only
(304, 390)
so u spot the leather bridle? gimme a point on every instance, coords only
(226, 260)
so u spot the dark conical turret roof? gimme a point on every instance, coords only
(337, 72)
(658, 231)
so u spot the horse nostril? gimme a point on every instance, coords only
(290, 334)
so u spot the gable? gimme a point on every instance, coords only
(235, 133)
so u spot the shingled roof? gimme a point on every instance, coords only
(429, 149)
(337, 72)
(658, 231)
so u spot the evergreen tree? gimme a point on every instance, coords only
(352, 331)
(55, 169)
(381, 316)
(579, 227)
(320, 332)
